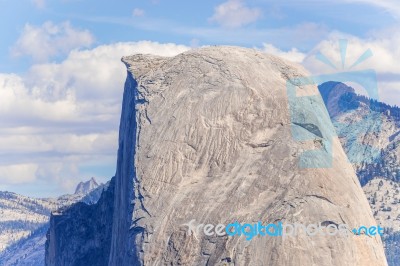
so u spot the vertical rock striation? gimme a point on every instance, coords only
(206, 135)
(81, 234)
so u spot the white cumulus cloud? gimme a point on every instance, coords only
(63, 117)
(293, 54)
(234, 13)
(384, 50)
(49, 40)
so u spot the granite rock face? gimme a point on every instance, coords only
(81, 234)
(206, 135)
(24, 222)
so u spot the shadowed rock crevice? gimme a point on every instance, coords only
(81, 234)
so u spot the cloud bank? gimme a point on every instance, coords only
(50, 40)
(60, 120)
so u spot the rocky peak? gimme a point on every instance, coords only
(86, 187)
(207, 136)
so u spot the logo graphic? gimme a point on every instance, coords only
(251, 230)
(311, 122)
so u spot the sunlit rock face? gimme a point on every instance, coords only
(206, 135)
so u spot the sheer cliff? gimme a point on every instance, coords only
(81, 234)
(207, 136)
(212, 142)
(24, 222)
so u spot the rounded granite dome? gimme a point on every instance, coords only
(206, 137)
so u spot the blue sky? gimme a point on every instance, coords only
(186, 22)
(61, 79)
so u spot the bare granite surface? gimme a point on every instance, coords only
(206, 135)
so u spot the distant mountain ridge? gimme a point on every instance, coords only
(348, 99)
(369, 131)
(86, 187)
(24, 222)
(205, 136)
